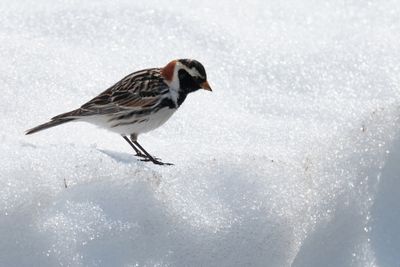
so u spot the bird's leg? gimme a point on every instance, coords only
(138, 152)
(149, 157)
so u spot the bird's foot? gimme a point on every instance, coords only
(146, 158)
(156, 161)
(141, 155)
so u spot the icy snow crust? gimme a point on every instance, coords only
(293, 160)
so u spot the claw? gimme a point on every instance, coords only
(162, 163)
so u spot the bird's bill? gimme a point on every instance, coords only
(205, 86)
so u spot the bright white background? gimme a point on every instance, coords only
(293, 160)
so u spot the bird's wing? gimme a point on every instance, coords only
(137, 91)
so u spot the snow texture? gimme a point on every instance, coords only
(292, 160)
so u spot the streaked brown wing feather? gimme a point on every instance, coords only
(142, 102)
(138, 90)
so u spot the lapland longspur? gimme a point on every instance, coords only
(139, 103)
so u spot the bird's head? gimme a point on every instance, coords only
(186, 75)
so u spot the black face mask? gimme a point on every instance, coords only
(186, 82)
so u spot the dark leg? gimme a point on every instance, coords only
(149, 157)
(138, 152)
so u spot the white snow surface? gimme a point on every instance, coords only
(292, 160)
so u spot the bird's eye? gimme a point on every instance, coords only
(182, 74)
(198, 80)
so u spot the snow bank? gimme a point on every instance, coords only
(291, 161)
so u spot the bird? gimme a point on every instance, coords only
(140, 102)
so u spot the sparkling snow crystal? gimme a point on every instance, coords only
(292, 160)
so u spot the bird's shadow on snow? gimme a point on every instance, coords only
(118, 156)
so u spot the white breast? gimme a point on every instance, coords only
(130, 126)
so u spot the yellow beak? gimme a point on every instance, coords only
(205, 86)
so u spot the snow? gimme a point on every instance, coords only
(292, 160)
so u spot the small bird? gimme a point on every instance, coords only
(140, 102)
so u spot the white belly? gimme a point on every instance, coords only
(142, 125)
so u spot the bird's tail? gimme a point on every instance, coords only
(57, 120)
